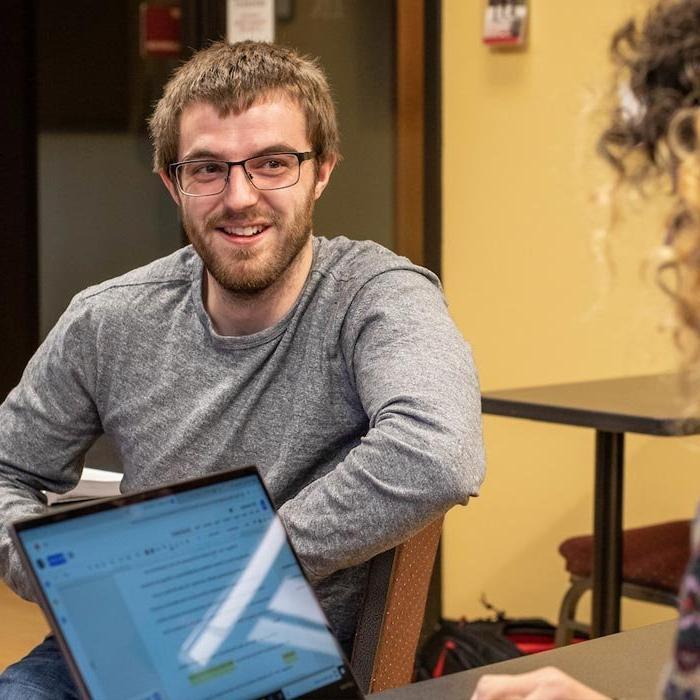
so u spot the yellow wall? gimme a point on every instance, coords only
(532, 289)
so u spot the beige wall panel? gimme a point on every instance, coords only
(545, 297)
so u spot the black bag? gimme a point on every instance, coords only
(458, 645)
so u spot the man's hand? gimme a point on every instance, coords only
(543, 684)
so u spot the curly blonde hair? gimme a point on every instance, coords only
(659, 62)
(655, 134)
(232, 77)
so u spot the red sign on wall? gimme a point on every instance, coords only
(160, 29)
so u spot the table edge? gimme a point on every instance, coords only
(598, 420)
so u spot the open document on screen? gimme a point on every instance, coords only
(191, 595)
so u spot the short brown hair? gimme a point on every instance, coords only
(232, 77)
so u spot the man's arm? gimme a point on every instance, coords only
(423, 453)
(46, 424)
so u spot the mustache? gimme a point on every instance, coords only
(228, 217)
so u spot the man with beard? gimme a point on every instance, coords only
(331, 364)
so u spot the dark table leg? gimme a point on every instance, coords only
(607, 532)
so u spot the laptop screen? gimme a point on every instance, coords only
(192, 593)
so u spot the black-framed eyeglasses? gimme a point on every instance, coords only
(272, 171)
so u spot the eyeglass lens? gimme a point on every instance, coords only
(269, 172)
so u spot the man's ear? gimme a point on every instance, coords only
(323, 175)
(170, 186)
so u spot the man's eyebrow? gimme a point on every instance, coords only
(276, 148)
(199, 154)
(203, 153)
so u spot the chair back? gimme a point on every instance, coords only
(391, 617)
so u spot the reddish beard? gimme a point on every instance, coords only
(246, 270)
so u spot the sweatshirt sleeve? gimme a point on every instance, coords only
(46, 424)
(423, 452)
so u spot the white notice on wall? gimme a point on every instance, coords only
(505, 22)
(250, 19)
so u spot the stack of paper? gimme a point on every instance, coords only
(94, 483)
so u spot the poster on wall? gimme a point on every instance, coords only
(160, 30)
(505, 22)
(250, 19)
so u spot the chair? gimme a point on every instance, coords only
(391, 617)
(653, 562)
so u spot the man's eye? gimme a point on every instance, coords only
(207, 169)
(270, 164)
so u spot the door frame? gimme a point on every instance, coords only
(19, 288)
(418, 162)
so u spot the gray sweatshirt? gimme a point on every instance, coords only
(361, 406)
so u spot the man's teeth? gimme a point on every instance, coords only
(242, 230)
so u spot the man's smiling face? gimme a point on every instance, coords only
(247, 237)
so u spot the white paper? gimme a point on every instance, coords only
(250, 19)
(90, 474)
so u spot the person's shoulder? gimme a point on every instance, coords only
(170, 272)
(361, 261)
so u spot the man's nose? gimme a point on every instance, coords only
(239, 192)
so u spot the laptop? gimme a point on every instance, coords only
(189, 591)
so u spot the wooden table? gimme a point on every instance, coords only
(628, 665)
(652, 405)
